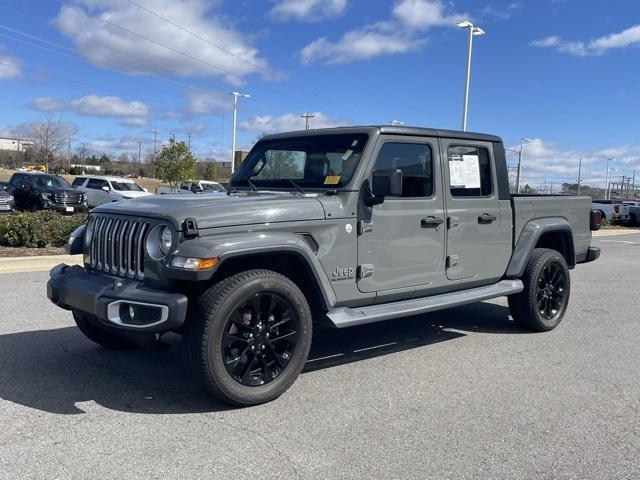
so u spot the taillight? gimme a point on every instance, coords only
(595, 219)
(616, 208)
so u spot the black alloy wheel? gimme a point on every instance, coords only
(260, 339)
(550, 293)
(543, 302)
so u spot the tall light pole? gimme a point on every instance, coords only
(606, 179)
(522, 143)
(473, 31)
(235, 120)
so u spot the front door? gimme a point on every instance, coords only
(478, 223)
(401, 241)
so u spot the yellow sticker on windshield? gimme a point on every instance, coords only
(332, 179)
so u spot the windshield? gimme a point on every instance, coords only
(212, 187)
(126, 186)
(316, 161)
(51, 182)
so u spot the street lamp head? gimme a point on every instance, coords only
(477, 31)
(238, 94)
(465, 24)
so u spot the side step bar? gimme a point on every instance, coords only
(348, 317)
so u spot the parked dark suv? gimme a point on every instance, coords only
(40, 191)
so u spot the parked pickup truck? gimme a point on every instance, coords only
(347, 226)
(615, 211)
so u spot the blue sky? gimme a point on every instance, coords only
(564, 73)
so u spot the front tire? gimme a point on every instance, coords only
(248, 337)
(543, 302)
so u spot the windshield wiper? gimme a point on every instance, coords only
(252, 185)
(297, 186)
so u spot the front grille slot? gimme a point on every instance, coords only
(68, 198)
(117, 245)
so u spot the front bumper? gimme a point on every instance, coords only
(60, 207)
(112, 299)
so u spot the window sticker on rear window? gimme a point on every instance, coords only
(332, 179)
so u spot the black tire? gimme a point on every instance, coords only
(547, 285)
(101, 336)
(225, 341)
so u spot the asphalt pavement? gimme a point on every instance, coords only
(459, 394)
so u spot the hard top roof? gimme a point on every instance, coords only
(390, 130)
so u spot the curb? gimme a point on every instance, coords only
(609, 233)
(36, 263)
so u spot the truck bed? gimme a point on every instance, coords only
(575, 209)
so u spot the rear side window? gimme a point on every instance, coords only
(96, 184)
(416, 163)
(78, 181)
(469, 171)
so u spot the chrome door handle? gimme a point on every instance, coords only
(431, 222)
(486, 218)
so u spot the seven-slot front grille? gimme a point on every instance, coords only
(67, 198)
(117, 245)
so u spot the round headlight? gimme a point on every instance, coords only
(166, 240)
(159, 242)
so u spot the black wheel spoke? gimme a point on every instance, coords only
(289, 336)
(260, 338)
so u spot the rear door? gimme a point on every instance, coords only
(478, 227)
(401, 241)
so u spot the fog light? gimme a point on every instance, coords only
(189, 263)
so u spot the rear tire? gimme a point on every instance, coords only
(543, 302)
(99, 335)
(248, 337)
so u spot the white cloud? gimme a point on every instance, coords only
(10, 67)
(599, 46)
(548, 162)
(307, 10)
(402, 33)
(422, 14)
(135, 113)
(287, 122)
(212, 103)
(93, 38)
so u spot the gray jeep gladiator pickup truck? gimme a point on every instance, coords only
(346, 225)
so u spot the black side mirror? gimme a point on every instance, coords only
(385, 183)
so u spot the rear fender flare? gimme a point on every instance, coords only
(531, 233)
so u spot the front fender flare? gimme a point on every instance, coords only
(531, 233)
(225, 247)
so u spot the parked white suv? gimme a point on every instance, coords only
(101, 190)
(193, 186)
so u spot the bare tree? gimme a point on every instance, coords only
(50, 136)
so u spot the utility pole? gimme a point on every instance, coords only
(235, 125)
(606, 179)
(189, 136)
(473, 31)
(139, 152)
(633, 185)
(69, 154)
(579, 174)
(522, 143)
(306, 117)
(155, 142)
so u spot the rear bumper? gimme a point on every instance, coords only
(111, 299)
(589, 256)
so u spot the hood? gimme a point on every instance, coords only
(212, 211)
